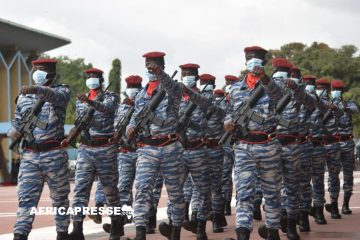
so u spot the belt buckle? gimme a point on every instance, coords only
(271, 135)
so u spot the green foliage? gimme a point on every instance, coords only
(115, 76)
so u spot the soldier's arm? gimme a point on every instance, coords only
(351, 107)
(171, 87)
(205, 101)
(308, 100)
(17, 118)
(273, 90)
(109, 104)
(59, 96)
(132, 122)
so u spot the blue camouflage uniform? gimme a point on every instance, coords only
(347, 144)
(97, 160)
(51, 166)
(154, 159)
(263, 157)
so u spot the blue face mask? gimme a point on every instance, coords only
(39, 77)
(207, 88)
(310, 88)
(296, 80)
(189, 81)
(320, 92)
(283, 75)
(150, 76)
(336, 94)
(93, 83)
(131, 92)
(252, 63)
(227, 88)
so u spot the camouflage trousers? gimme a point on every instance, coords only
(317, 175)
(251, 159)
(188, 189)
(291, 176)
(258, 192)
(333, 164)
(227, 182)
(152, 161)
(91, 161)
(305, 155)
(157, 190)
(99, 195)
(348, 162)
(36, 169)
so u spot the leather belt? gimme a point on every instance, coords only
(43, 146)
(212, 143)
(126, 150)
(317, 141)
(286, 139)
(346, 137)
(96, 141)
(331, 139)
(255, 137)
(195, 144)
(303, 138)
(159, 141)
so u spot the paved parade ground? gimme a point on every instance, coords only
(346, 228)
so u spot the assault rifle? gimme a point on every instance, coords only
(83, 122)
(29, 122)
(147, 115)
(244, 113)
(120, 127)
(280, 106)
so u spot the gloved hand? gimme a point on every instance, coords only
(229, 126)
(29, 90)
(154, 68)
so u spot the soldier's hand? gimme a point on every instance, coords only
(130, 133)
(14, 134)
(258, 71)
(154, 68)
(83, 98)
(128, 101)
(28, 90)
(229, 126)
(72, 132)
(291, 84)
(332, 106)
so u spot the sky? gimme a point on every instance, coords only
(211, 33)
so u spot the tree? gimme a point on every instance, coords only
(115, 76)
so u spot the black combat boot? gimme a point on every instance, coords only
(216, 223)
(262, 230)
(175, 233)
(304, 225)
(333, 208)
(243, 233)
(272, 234)
(283, 220)
(187, 205)
(291, 229)
(227, 208)
(345, 207)
(97, 218)
(192, 224)
(18, 236)
(201, 230)
(319, 215)
(62, 236)
(77, 232)
(107, 227)
(257, 211)
(166, 229)
(117, 228)
(140, 233)
(152, 222)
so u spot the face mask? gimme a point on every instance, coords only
(92, 83)
(131, 92)
(227, 88)
(336, 94)
(296, 80)
(39, 77)
(189, 81)
(252, 63)
(320, 92)
(207, 88)
(150, 76)
(283, 75)
(310, 88)
(218, 98)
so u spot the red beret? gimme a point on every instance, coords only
(133, 80)
(219, 92)
(154, 55)
(323, 81)
(44, 61)
(255, 49)
(281, 62)
(207, 77)
(231, 78)
(337, 84)
(308, 78)
(295, 69)
(189, 65)
(93, 70)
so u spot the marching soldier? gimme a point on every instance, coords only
(96, 154)
(43, 159)
(161, 150)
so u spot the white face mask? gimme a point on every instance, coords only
(93, 83)
(189, 81)
(320, 92)
(150, 76)
(131, 92)
(218, 98)
(207, 88)
(336, 94)
(227, 88)
(39, 77)
(283, 75)
(296, 80)
(310, 88)
(254, 62)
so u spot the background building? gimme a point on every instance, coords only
(19, 45)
